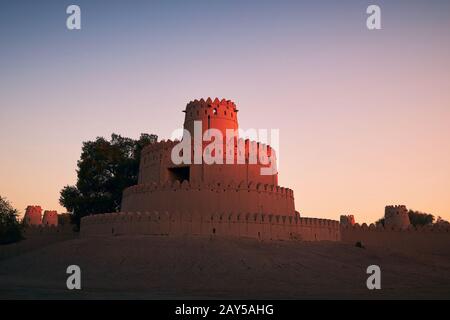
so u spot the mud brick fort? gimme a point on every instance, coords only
(232, 199)
(229, 199)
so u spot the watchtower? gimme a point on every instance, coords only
(396, 216)
(33, 216)
(50, 218)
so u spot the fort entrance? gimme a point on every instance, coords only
(179, 173)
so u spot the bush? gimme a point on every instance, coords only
(418, 218)
(10, 227)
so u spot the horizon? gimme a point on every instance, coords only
(363, 115)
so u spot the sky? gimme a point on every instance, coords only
(363, 115)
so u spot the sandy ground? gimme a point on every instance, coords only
(152, 267)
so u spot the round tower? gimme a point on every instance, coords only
(50, 218)
(33, 216)
(396, 216)
(220, 115)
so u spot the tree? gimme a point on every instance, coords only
(441, 221)
(10, 227)
(418, 218)
(105, 169)
(380, 222)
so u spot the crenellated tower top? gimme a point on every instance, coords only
(213, 114)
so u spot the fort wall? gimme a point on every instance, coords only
(430, 239)
(38, 236)
(257, 226)
(207, 198)
(48, 230)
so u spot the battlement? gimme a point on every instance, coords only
(216, 186)
(240, 224)
(251, 151)
(380, 228)
(397, 206)
(209, 103)
(209, 197)
(395, 209)
(163, 145)
(33, 209)
(432, 239)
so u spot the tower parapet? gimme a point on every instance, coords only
(217, 114)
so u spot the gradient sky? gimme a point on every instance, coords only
(364, 116)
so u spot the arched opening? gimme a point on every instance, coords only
(179, 173)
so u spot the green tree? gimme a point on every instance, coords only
(105, 169)
(418, 218)
(10, 227)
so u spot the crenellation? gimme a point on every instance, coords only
(254, 225)
(397, 233)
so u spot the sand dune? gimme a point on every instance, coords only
(164, 268)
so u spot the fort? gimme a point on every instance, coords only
(208, 188)
(224, 199)
(216, 199)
